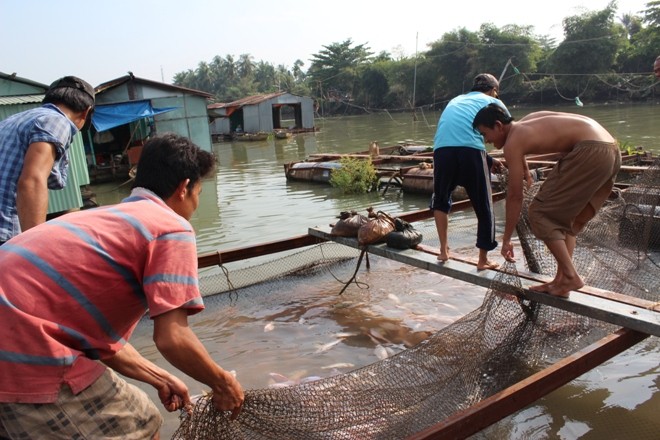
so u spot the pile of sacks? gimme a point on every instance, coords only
(377, 227)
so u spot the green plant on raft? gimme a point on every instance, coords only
(629, 149)
(356, 176)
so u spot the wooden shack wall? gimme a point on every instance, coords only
(190, 119)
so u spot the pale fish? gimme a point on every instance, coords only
(381, 352)
(309, 379)
(394, 298)
(448, 306)
(325, 347)
(428, 292)
(282, 381)
(338, 365)
(269, 327)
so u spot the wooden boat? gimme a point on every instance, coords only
(411, 167)
(250, 137)
(310, 171)
(282, 134)
(388, 161)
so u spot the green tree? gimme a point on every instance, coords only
(401, 80)
(643, 45)
(264, 76)
(511, 42)
(632, 24)
(374, 86)
(593, 41)
(452, 58)
(652, 14)
(335, 68)
(284, 79)
(245, 65)
(297, 71)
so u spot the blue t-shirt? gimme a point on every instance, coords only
(43, 124)
(455, 125)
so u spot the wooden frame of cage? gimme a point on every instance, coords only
(637, 316)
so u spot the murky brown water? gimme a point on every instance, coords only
(290, 335)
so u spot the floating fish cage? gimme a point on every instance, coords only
(514, 348)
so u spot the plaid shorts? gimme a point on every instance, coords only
(109, 408)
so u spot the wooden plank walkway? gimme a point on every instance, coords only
(616, 309)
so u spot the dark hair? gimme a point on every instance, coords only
(71, 91)
(167, 160)
(488, 115)
(485, 82)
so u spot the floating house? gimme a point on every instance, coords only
(130, 109)
(262, 114)
(19, 94)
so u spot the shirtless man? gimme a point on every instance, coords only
(572, 193)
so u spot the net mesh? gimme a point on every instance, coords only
(503, 341)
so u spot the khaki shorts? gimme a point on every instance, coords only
(576, 188)
(109, 408)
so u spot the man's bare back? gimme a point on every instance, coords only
(554, 132)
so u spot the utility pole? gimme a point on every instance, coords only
(415, 79)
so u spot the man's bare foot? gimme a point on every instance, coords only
(542, 287)
(487, 265)
(444, 256)
(563, 288)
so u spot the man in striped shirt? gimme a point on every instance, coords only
(73, 289)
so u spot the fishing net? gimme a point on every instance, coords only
(498, 344)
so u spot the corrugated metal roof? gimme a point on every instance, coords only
(23, 99)
(13, 77)
(254, 99)
(216, 108)
(119, 81)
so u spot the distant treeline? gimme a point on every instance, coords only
(602, 58)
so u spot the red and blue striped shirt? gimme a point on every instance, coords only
(73, 289)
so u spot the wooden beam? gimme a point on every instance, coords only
(603, 309)
(518, 396)
(624, 168)
(237, 254)
(258, 250)
(613, 296)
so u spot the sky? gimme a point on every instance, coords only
(101, 40)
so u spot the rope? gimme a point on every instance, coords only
(577, 98)
(357, 267)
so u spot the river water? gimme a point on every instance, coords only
(284, 335)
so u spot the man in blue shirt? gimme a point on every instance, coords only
(460, 158)
(34, 146)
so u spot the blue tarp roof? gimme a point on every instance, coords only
(107, 116)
